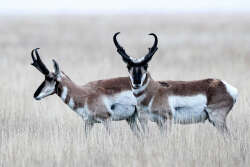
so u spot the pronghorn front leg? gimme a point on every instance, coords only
(143, 119)
(133, 124)
(163, 120)
(106, 124)
(88, 126)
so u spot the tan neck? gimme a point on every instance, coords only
(66, 89)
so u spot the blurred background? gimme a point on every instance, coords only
(120, 6)
(197, 40)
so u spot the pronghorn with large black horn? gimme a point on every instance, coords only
(178, 101)
(96, 102)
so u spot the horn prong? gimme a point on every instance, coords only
(33, 57)
(37, 54)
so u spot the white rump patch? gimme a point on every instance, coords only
(231, 90)
(121, 106)
(64, 93)
(188, 109)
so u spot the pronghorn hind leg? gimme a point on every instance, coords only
(217, 118)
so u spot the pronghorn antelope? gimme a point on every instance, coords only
(178, 101)
(96, 102)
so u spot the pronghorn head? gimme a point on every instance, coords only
(48, 86)
(137, 68)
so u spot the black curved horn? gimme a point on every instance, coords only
(151, 51)
(121, 51)
(37, 62)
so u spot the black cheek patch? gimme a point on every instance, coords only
(38, 91)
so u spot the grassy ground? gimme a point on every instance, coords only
(47, 133)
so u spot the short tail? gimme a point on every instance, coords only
(231, 90)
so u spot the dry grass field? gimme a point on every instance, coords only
(47, 133)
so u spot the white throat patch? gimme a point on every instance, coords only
(71, 103)
(64, 93)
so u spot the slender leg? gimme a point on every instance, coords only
(142, 117)
(163, 118)
(106, 124)
(88, 126)
(162, 125)
(218, 119)
(220, 125)
(133, 125)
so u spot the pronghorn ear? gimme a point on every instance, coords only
(56, 67)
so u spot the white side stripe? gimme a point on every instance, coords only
(194, 101)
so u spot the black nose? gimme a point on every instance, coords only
(137, 80)
(137, 83)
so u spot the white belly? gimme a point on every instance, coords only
(154, 117)
(121, 111)
(121, 106)
(188, 109)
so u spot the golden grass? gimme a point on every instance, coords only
(47, 133)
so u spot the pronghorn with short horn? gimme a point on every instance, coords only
(96, 102)
(179, 101)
